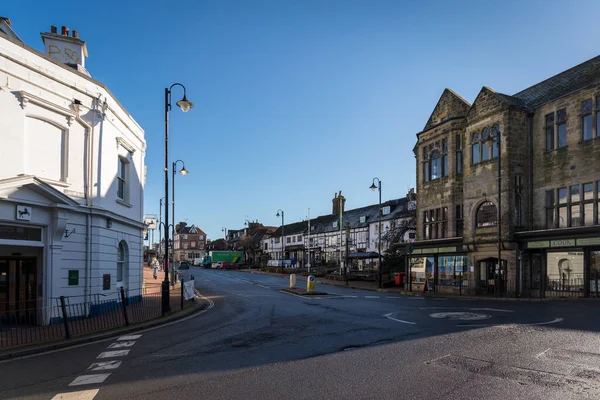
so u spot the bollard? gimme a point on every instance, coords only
(292, 281)
(310, 283)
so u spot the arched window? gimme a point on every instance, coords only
(484, 146)
(121, 260)
(435, 165)
(487, 215)
(435, 161)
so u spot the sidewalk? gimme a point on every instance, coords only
(372, 286)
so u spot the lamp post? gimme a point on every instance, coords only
(159, 224)
(373, 187)
(183, 172)
(496, 137)
(185, 106)
(282, 238)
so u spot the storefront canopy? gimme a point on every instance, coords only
(367, 254)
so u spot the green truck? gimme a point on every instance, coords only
(223, 259)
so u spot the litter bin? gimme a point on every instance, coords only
(401, 278)
(397, 278)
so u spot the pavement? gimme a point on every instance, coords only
(257, 342)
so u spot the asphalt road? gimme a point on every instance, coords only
(256, 342)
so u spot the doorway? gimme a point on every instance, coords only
(491, 278)
(18, 297)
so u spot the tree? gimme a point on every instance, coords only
(394, 257)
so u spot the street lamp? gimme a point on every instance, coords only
(282, 238)
(495, 136)
(373, 187)
(185, 106)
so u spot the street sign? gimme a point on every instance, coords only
(188, 290)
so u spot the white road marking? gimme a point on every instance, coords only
(371, 297)
(262, 286)
(543, 353)
(118, 345)
(393, 297)
(116, 353)
(82, 395)
(554, 321)
(130, 337)
(390, 316)
(89, 379)
(490, 309)
(104, 365)
(416, 297)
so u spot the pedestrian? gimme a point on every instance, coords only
(155, 271)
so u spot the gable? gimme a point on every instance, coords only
(30, 190)
(450, 105)
(486, 102)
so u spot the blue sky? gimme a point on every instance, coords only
(296, 100)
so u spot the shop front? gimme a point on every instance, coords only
(562, 267)
(438, 269)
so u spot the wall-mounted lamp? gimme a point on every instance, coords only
(75, 105)
(108, 223)
(69, 233)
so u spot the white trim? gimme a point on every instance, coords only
(26, 98)
(122, 142)
(25, 243)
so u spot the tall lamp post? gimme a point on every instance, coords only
(282, 238)
(183, 172)
(373, 187)
(223, 229)
(185, 106)
(495, 136)
(159, 224)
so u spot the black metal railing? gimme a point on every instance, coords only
(25, 323)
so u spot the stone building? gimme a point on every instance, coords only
(544, 140)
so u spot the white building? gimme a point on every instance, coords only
(71, 180)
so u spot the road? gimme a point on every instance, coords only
(256, 342)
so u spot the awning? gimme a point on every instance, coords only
(364, 254)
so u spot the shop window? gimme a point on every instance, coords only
(595, 273)
(564, 271)
(451, 269)
(421, 268)
(586, 120)
(487, 215)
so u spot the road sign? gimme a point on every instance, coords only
(188, 290)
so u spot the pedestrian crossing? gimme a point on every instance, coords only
(97, 372)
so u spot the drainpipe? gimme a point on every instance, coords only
(531, 171)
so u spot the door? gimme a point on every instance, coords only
(18, 297)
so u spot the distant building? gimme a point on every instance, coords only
(550, 187)
(71, 180)
(189, 243)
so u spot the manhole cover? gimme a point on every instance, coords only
(460, 316)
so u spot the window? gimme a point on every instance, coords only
(192, 244)
(335, 224)
(435, 166)
(444, 157)
(561, 116)
(586, 119)
(385, 210)
(598, 202)
(598, 116)
(459, 160)
(565, 271)
(122, 179)
(121, 260)
(288, 240)
(487, 215)
(550, 209)
(575, 208)
(459, 220)
(435, 223)
(266, 246)
(276, 240)
(549, 132)
(299, 239)
(484, 146)
(435, 161)
(412, 235)
(562, 208)
(363, 219)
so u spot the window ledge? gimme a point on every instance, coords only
(124, 203)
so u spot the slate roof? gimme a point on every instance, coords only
(324, 223)
(575, 78)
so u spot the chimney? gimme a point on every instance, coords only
(338, 200)
(67, 49)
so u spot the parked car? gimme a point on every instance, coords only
(217, 265)
(230, 265)
(184, 265)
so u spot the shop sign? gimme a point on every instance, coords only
(23, 213)
(447, 249)
(417, 251)
(435, 250)
(538, 245)
(588, 241)
(562, 243)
